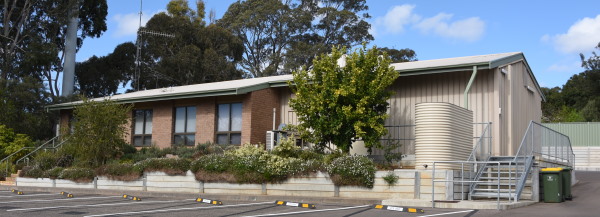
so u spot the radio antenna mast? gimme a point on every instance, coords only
(141, 31)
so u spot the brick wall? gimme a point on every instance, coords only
(257, 115)
(162, 123)
(205, 120)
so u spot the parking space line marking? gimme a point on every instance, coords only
(79, 198)
(310, 211)
(94, 205)
(28, 195)
(448, 213)
(177, 209)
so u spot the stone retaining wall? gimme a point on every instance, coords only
(412, 184)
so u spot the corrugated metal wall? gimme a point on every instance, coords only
(502, 99)
(580, 133)
(444, 87)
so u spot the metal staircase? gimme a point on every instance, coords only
(509, 177)
(53, 144)
(503, 177)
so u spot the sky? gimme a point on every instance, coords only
(550, 33)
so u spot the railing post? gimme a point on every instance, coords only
(433, 186)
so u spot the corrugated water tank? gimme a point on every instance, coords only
(443, 132)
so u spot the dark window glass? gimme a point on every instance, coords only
(142, 127)
(229, 123)
(184, 126)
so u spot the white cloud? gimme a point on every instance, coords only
(398, 17)
(469, 29)
(127, 24)
(572, 67)
(581, 37)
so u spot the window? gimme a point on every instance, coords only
(142, 127)
(229, 124)
(185, 126)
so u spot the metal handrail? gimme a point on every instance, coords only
(41, 146)
(498, 163)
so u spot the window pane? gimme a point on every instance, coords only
(222, 139)
(148, 129)
(191, 119)
(178, 140)
(236, 117)
(180, 120)
(137, 141)
(147, 140)
(236, 139)
(139, 122)
(190, 140)
(223, 120)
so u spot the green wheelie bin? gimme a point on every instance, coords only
(566, 181)
(552, 184)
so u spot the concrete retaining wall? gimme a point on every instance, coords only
(412, 184)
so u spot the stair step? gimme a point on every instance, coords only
(492, 195)
(478, 190)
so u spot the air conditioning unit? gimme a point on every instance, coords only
(271, 140)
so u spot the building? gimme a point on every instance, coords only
(499, 88)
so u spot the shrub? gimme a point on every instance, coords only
(143, 154)
(211, 148)
(32, 172)
(216, 163)
(120, 172)
(54, 173)
(97, 135)
(213, 168)
(45, 160)
(332, 156)
(352, 170)
(391, 178)
(287, 148)
(170, 166)
(78, 174)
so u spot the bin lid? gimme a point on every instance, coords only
(556, 169)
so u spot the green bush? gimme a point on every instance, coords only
(45, 160)
(391, 178)
(32, 172)
(143, 154)
(120, 172)
(287, 148)
(54, 173)
(213, 168)
(170, 166)
(332, 156)
(352, 170)
(78, 174)
(216, 163)
(211, 148)
(253, 164)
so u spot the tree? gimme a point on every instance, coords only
(98, 132)
(402, 55)
(282, 36)
(11, 142)
(339, 104)
(102, 76)
(33, 36)
(578, 99)
(196, 54)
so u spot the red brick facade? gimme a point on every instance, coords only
(257, 117)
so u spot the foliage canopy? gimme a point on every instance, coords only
(98, 132)
(340, 103)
